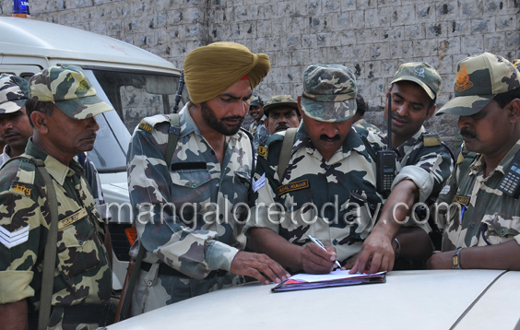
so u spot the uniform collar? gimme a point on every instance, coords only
(56, 169)
(479, 164)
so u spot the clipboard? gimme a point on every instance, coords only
(333, 279)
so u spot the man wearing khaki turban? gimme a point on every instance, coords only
(192, 231)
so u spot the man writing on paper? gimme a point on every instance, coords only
(194, 238)
(482, 227)
(328, 189)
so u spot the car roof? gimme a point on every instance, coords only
(28, 37)
(432, 299)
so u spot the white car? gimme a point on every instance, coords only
(429, 299)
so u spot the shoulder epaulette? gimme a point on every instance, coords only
(247, 133)
(432, 140)
(148, 123)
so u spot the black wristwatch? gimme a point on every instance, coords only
(456, 259)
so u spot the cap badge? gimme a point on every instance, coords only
(462, 81)
(418, 71)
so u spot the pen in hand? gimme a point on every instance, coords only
(320, 244)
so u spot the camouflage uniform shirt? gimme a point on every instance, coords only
(333, 201)
(426, 162)
(368, 126)
(82, 273)
(488, 215)
(260, 133)
(196, 222)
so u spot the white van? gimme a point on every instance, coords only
(135, 82)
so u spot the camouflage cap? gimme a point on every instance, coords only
(256, 100)
(479, 79)
(69, 89)
(280, 101)
(14, 91)
(329, 93)
(422, 74)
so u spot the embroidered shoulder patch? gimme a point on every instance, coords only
(21, 189)
(145, 126)
(63, 223)
(262, 151)
(292, 186)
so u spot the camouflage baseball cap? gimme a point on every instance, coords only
(422, 74)
(329, 93)
(256, 100)
(280, 101)
(69, 89)
(478, 80)
(14, 91)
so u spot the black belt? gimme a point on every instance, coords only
(164, 269)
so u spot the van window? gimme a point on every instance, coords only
(135, 95)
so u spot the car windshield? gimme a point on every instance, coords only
(133, 95)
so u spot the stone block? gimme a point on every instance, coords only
(299, 57)
(512, 41)
(473, 45)
(414, 32)
(481, 26)
(459, 28)
(447, 11)
(295, 24)
(367, 36)
(436, 30)
(448, 46)
(404, 15)
(402, 50)
(470, 9)
(330, 6)
(366, 4)
(425, 12)
(392, 34)
(494, 41)
(342, 22)
(506, 23)
(425, 47)
(346, 37)
(348, 5)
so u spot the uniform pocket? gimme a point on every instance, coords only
(499, 228)
(77, 249)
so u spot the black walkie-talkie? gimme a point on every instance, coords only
(510, 183)
(386, 159)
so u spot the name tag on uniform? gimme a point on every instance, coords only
(64, 223)
(463, 200)
(297, 185)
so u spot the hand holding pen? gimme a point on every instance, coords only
(318, 259)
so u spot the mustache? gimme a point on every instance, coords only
(467, 133)
(397, 116)
(324, 137)
(232, 118)
(10, 131)
(281, 126)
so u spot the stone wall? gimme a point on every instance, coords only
(372, 37)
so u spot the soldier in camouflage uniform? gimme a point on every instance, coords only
(257, 128)
(359, 121)
(194, 237)
(328, 189)
(482, 229)
(62, 109)
(424, 166)
(282, 112)
(14, 123)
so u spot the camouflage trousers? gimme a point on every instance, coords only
(154, 290)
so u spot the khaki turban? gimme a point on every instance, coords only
(210, 70)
